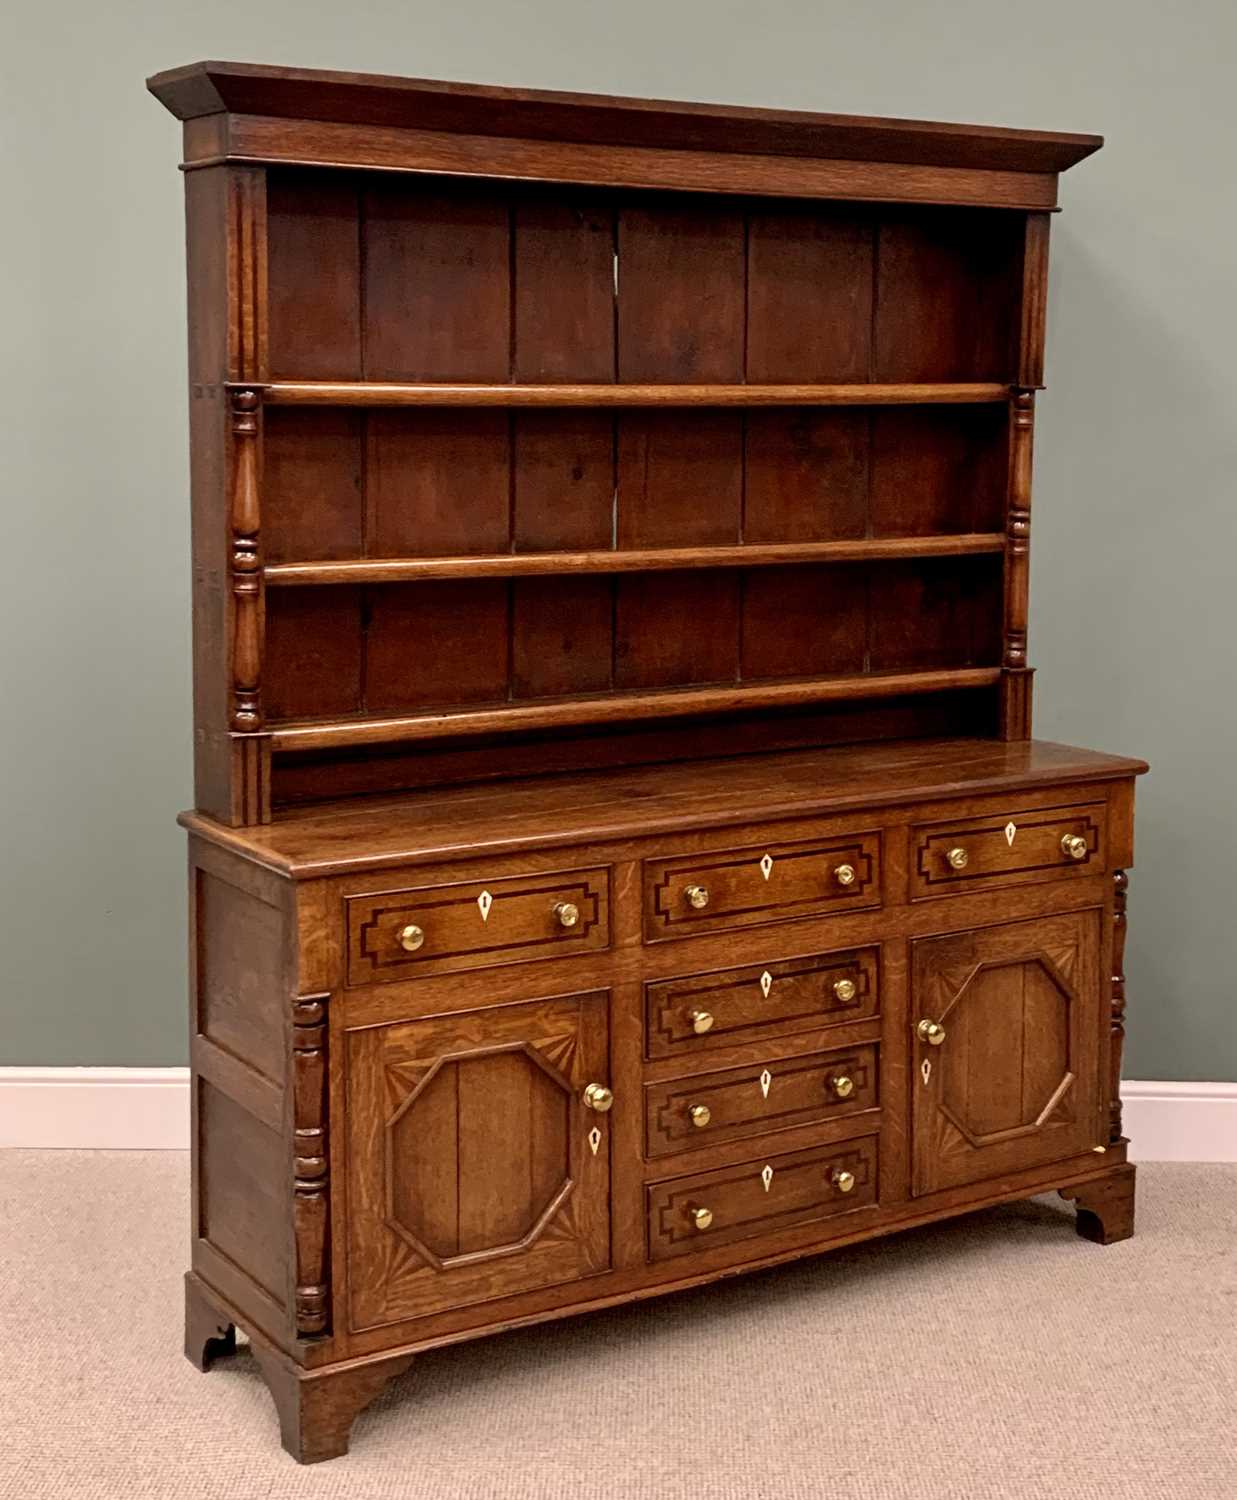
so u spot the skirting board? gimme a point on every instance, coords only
(147, 1109)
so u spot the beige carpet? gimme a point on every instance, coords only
(996, 1356)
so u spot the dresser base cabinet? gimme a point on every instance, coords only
(390, 1158)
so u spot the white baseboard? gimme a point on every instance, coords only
(147, 1109)
(1180, 1121)
(112, 1109)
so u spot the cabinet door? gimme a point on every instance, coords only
(1014, 1081)
(475, 1170)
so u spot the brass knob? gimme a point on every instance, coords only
(702, 1021)
(700, 1115)
(697, 896)
(958, 859)
(567, 912)
(1074, 846)
(701, 1217)
(597, 1096)
(842, 1086)
(844, 874)
(842, 1180)
(845, 990)
(411, 937)
(931, 1032)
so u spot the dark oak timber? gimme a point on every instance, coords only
(620, 856)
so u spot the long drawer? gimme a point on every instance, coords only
(760, 1002)
(759, 1197)
(685, 1114)
(1007, 847)
(445, 927)
(721, 889)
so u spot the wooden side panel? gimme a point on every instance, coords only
(243, 1191)
(809, 295)
(437, 283)
(681, 308)
(239, 985)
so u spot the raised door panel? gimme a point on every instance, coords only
(475, 1171)
(1013, 1082)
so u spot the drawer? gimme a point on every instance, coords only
(759, 1197)
(436, 929)
(721, 889)
(685, 1114)
(759, 1002)
(1006, 848)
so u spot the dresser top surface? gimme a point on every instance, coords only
(365, 833)
(205, 88)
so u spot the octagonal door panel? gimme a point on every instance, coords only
(1015, 1082)
(475, 1171)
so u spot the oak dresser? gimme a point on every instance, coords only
(620, 855)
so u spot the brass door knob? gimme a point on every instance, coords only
(411, 937)
(1074, 846)
(567, 912)
(845, 990)
(844, 874)
(699, 1115)
(701, 1217)
(697, 896)
(958, 858)
(702, 1021)
(931, 1032)
(842, 1180)
(842, 1086)
(597, 1096)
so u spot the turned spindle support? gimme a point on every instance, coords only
(1121, 884)
(311, 1184)
(245, 714)
(1016, 681)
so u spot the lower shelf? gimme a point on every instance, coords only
(622, 707)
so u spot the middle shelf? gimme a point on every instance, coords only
(628, 560)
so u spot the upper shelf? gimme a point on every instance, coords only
(629, 560)
(393, 393)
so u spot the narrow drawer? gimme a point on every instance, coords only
(436, 929)
(727, 888)
(759, 1197)
(760, 1002)
(1007, 848)
(685, 1114)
